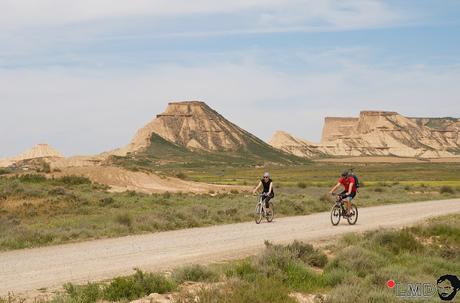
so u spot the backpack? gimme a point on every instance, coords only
(356, 181)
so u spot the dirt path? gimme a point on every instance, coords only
(27, 270)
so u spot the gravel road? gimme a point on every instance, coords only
(23, 271)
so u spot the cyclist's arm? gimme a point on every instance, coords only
(271, 188)
(350, 188)
(335, 187)
(257, 187)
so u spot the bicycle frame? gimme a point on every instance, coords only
(261, 203)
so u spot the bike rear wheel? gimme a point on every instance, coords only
(354, 217)
(270, 212)
(258, 214)
(335, 215)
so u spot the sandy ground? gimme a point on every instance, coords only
(388, 160)
(25, 271)
(121, 180)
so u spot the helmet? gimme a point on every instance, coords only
(267, 175)
(345, 174)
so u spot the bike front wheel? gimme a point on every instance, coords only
(335, 215)
(353, 218)
(258, 214)
(270, 212)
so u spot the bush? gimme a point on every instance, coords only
(57, 191)
(446, 190)
(139, 285)
(73, 180)
(396, 241)
(260, 291)
(307, 253)
(280, 256)
(301, 185)
(4, 171)
(244, 270)
(357, 260)
(195, 273)
(124, 219)
(32, 178)
(379, 190)
(181, 176)
(89, 293)
(106, 201)
(122, 288)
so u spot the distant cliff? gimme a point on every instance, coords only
(383, 133)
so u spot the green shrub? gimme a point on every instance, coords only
(357, 260)
(302, 278)
(301, 185)
(106, 201)
(307, 254)
(122, 288)
(325, 198)
(57, 191)
(396, 241)
(138, 285)
(4, 171)
(124, 219)
(88, 293)
(181, 176)
(73, 180)
(262, 290)
(379, 190)
(244, 270)
(446, 190)
(32, 178)
(195, 273)
(353, 291)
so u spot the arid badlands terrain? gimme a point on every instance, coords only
(193, 128)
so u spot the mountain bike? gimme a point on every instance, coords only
(262, 211)
(339, 210)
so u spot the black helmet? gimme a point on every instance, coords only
(345, 174)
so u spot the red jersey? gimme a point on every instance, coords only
(346, 183)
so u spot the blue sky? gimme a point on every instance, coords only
(85, 75)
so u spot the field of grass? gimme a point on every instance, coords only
(35, 211)
(353, 269)
(429, 174)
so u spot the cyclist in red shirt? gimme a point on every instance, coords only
(348, 182)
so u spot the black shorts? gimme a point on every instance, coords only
(269, 197)
(344, 195)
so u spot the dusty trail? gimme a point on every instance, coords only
(27, 270)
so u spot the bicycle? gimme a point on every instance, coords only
(339, 210)
(262, 211)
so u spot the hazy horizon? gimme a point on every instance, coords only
(85, 76)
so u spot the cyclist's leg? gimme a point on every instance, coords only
(347, 200)
(268, 200)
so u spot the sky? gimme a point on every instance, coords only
(84, 75)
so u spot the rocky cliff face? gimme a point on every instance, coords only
(197, 127)
(295, 146)
(39, 151)
(382, 133)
